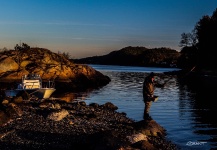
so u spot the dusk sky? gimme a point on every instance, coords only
(86, 28)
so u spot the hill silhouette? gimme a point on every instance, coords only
(135, 56)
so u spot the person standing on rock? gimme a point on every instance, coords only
(148, 92)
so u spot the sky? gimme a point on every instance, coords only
(85, 28)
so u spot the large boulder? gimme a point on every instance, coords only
(8, 64)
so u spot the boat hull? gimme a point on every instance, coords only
(11, 93)
(42, 93)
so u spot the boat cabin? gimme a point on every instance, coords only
(31, 81)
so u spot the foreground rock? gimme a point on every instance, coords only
(60, 125)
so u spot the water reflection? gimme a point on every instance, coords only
(200, 101)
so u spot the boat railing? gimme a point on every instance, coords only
(34, 81)
(49, 84)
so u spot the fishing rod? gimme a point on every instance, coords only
(185, 75)
(189, 72)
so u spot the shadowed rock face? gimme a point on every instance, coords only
(51, 66)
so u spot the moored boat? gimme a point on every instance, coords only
(32, 84)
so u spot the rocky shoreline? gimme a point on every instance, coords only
(55, 124)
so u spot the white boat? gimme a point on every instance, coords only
(32, 84)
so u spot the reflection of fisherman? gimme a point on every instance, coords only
(148, 91)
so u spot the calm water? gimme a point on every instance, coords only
(184, 111)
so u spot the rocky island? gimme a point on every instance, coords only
(50, 66)
(56, 124)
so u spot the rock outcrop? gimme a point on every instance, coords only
(51, 66)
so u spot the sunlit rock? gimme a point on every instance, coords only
(137, 137)
(57, 116)
(8, 64)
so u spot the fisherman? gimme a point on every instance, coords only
(148, 92)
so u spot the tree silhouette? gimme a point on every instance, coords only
(24, 46)
(206, 31)
(200, 46)
(188, 39)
